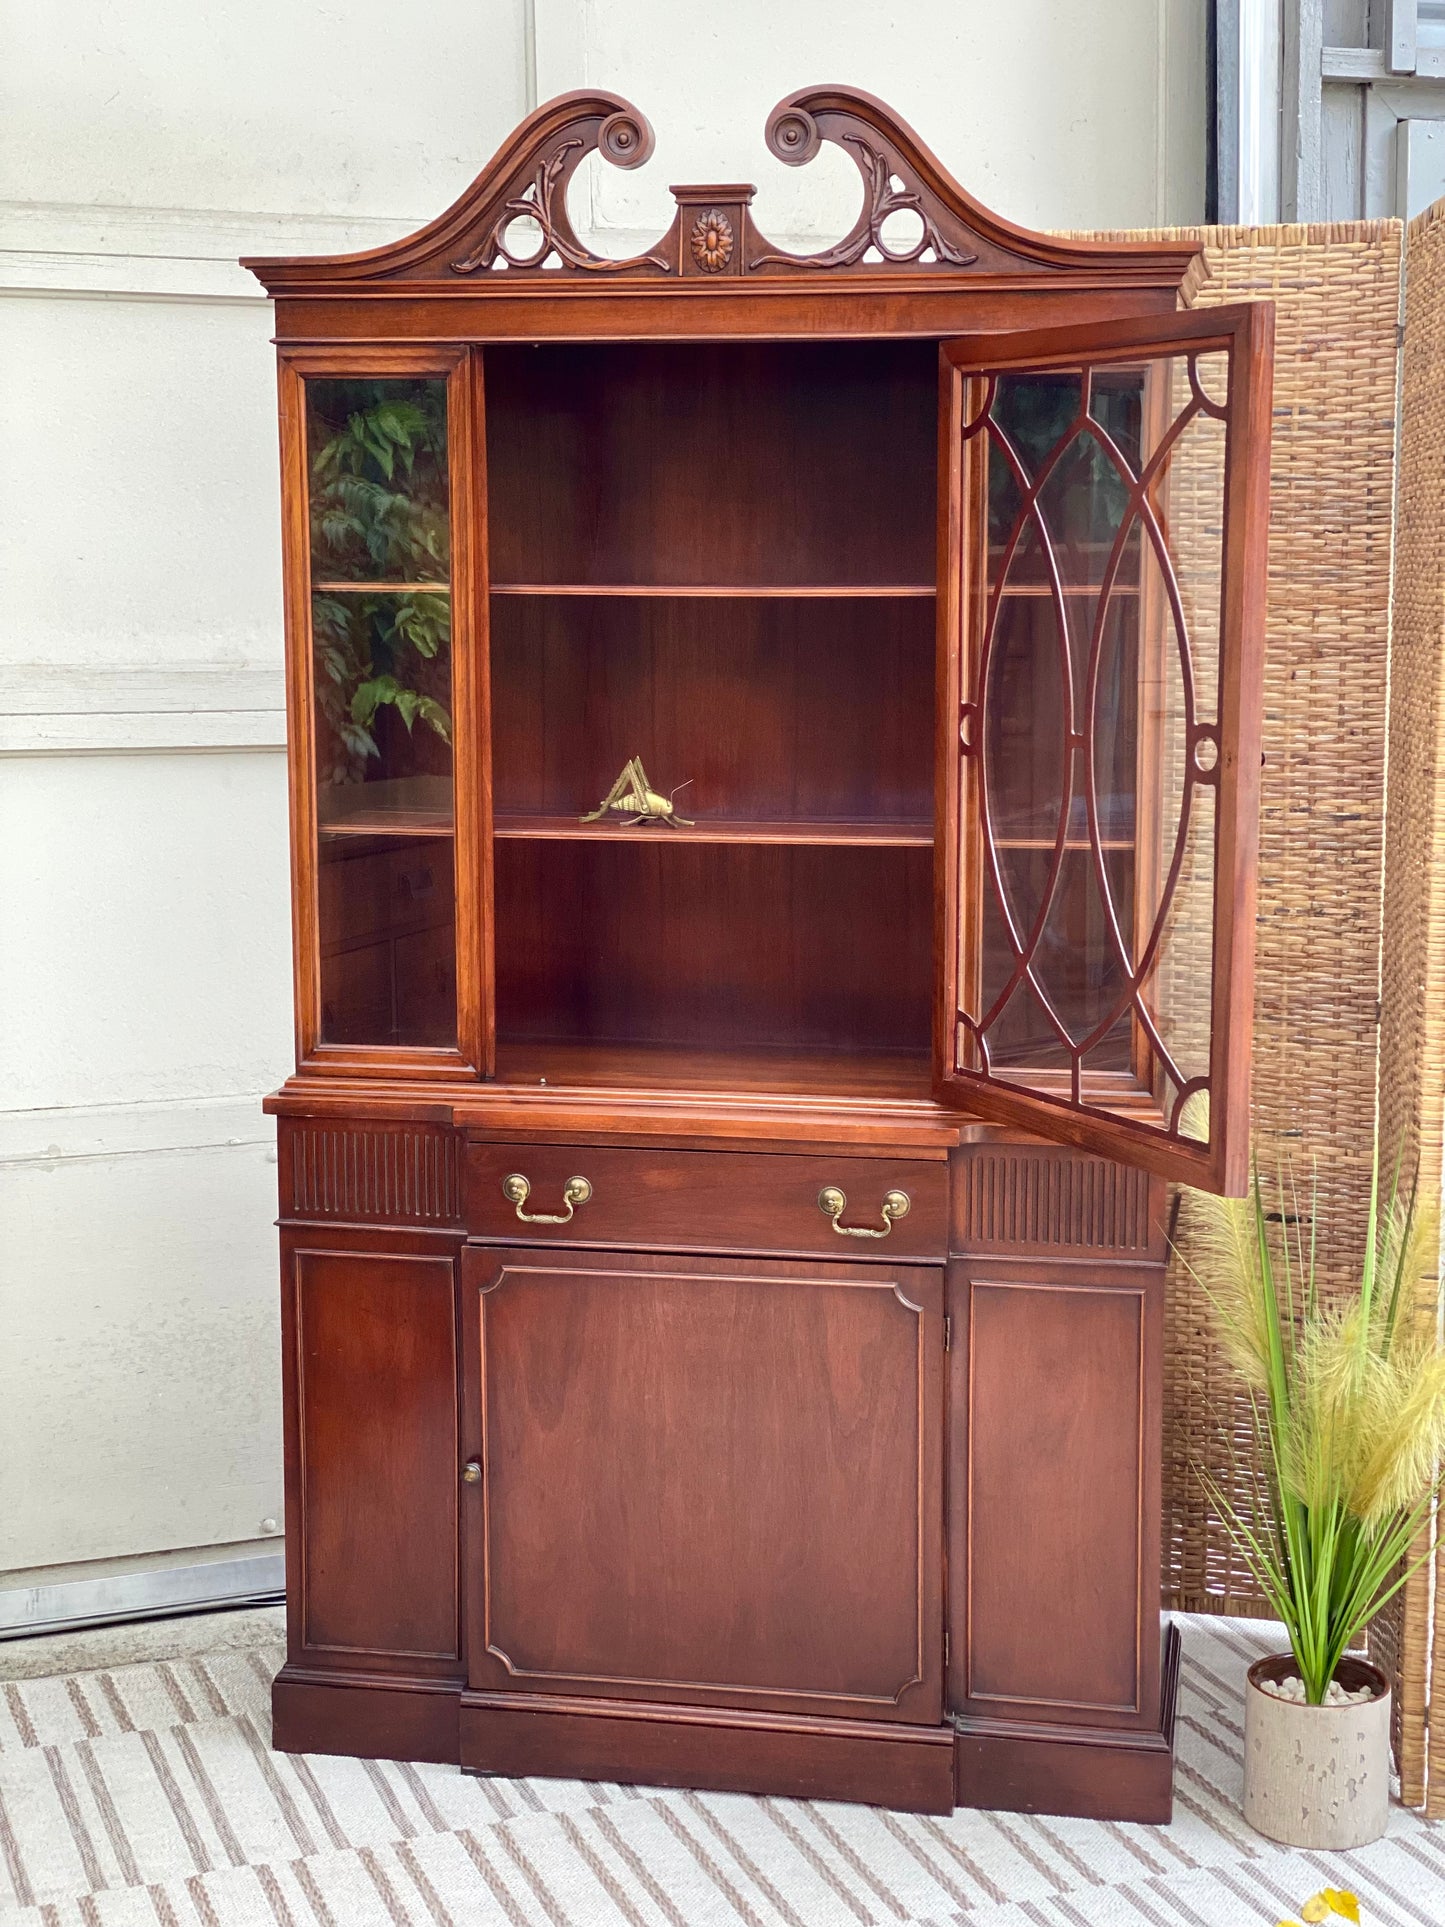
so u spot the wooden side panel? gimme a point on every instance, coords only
(373, 1548)
(1054, 1492)
(709, 1481)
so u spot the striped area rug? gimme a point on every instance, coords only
(147, 1796)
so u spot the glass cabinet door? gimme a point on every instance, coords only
(383, 704)
(1103, 608)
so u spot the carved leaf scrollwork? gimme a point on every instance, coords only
(543, 201)
(794, 136)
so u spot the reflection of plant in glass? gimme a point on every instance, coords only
(1036, 413)
(360, 643)
(379, 512)
(379, 479)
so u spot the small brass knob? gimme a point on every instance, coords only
(472, 1472)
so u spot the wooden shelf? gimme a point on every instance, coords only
(810, 591)
(1069, 589)
(568, 829)
(1070, 843)
(399, 806)
(588, 1063)
(389, 823)
(381, 588)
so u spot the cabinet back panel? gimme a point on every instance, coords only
(763, 708)
(712, 462)
(660, 941)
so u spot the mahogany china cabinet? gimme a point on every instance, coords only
(774, 768)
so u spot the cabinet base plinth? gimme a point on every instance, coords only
(1090, 1773)
(371, 1718)
(881, 1763)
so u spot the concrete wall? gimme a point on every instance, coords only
(144, 970)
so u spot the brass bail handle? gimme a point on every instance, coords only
(516, 1190)
(833, 1203)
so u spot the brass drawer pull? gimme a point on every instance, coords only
(832, 1203)
(516, 1190)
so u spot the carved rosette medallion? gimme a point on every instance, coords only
(712, 240)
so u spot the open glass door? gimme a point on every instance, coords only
(1102, 602)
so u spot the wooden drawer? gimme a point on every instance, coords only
(707, 1200)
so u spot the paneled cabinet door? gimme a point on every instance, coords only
(370, 1362)
(706, 1480)
(1101, 647)
(1053, 1491)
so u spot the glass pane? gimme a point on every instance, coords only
(1075, 965)
(388, 940)
(378, 455)
(382, 683)
(1091, 770)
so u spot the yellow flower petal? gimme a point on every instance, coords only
(1343, 1903)
(1316, 1908)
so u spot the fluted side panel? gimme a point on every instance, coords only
(393, 1174)
(1023, 1198)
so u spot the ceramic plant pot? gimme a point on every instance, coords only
(1317, 1776)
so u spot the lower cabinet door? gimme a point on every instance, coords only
(1054, 1492)
(372, 1454)
(708, 1481)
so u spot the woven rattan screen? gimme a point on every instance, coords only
(1412, 1040)
(1322, 835)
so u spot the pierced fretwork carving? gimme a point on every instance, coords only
(514, 216)
(538, 193)
(795, 135)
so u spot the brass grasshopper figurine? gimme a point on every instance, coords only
(631, 796)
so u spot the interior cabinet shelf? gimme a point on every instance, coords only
(381, 588)
(385, 822)
(1069, 589)
(569, 829)
(749, 591)
(777, 1072)
(1070, 843)
(400, 806)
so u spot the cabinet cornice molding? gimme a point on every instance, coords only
(513, 225)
